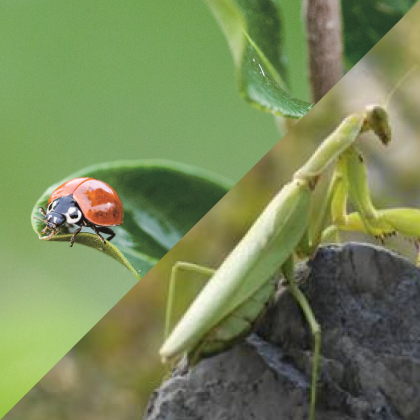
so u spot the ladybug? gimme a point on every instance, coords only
(84, 202)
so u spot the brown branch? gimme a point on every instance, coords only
(324, 35)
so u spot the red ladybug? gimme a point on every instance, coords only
(83, 202)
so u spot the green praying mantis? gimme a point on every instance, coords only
(238, 291)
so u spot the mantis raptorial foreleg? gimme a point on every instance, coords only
(353, 171)
(240, 288)
(404, 221)
(382, 223)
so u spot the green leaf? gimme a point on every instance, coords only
(162, 201)
(366, 22)
(253, 29)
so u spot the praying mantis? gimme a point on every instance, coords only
(238, 291)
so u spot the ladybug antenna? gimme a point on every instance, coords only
(42, 220)
(402, 80)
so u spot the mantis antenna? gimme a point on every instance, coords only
(402, 80)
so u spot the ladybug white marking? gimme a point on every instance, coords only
(51, 206)
(73, 215)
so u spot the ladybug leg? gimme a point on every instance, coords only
(42, 211)
(97, 232)
(74, 235)
(53, 232)
(107, 231)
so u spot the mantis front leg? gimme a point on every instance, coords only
(350, 182)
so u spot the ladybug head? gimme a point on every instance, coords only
(53, 220)
(63, 210)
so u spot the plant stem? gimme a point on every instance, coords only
(325, 46)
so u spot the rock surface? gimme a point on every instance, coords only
(367, 301)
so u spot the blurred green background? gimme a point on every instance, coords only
(83, 82)
(113, 369)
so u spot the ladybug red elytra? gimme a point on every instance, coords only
(83, 202)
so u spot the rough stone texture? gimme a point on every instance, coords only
(367, 301)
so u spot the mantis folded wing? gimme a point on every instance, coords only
(240, 288)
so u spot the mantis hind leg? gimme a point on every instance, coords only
(300, 298)
(176, 268)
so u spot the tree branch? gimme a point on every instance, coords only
(325, 46)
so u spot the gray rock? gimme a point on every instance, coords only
(367, 301)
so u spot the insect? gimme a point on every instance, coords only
(85, 202)
(238, 291)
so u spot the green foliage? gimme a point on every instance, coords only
(255, 34)
(162, 202)
(366, 22)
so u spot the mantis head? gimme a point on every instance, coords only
(376, 119)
